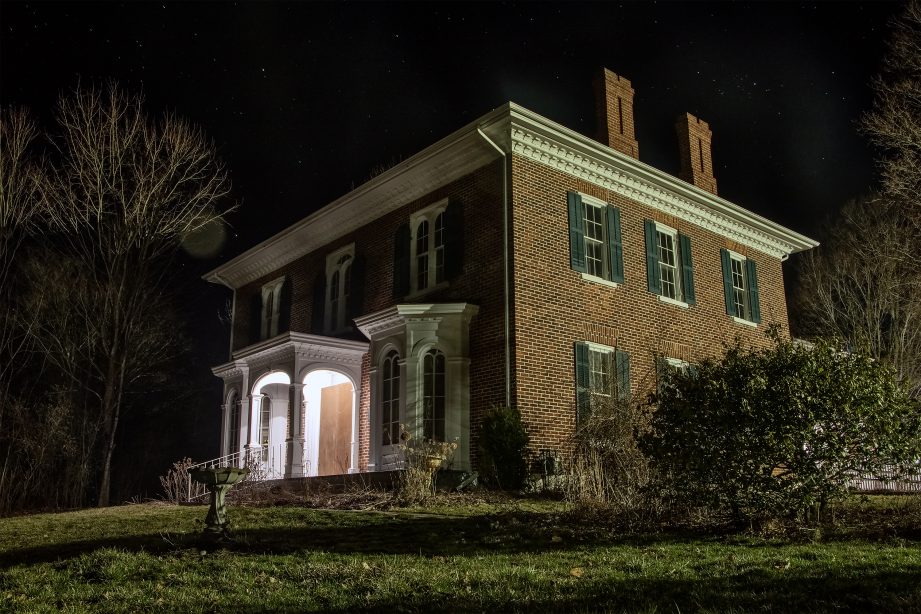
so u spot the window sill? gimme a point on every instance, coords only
(420, 293)
(600, 280)
(674, 302)
(744, 322)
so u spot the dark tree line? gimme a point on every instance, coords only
(93, 216)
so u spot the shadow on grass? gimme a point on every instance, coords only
(853, 591)
(381, 534)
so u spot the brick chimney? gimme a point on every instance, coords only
(614, 106)
(694, 138)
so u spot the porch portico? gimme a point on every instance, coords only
(293, 402)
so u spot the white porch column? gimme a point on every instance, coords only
(253, 447)
(294, 467)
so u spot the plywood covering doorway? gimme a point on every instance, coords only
(335, 429)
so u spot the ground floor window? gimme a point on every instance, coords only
(433, 395)
(233, 440)
(390, 399)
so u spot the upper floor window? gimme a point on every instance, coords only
(433, 395)
(428, 250)
(595, 244)
(390, 399)
(740, 287)
(271, 308)
(669, 267)
(602, 376)
(339, 284)
(338, 292)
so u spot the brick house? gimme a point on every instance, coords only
(513, 262)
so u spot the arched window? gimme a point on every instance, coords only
(390, 399)
(340, 280)
(440, 248)
(233, 434)
(422, 255)
(265, 422)
(433, 395)
(268, 314)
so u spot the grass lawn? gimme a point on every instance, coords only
(499, 557)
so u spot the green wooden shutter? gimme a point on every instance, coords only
(615, 245)
(622, 370)
(576, 234)
(356, 300)
(255, 317)
(726, 259)
(284, 311)
(687, 270)
(401, 262)
(583, 398)
(652, 259)
(319, 304)
(454, 240)
(754, 303)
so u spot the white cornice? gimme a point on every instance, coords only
(396, 316)
(289, 345)
(531, 136)
(543, 141)
(451, 158)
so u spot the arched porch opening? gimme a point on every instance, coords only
(270, 400)
(331, 423)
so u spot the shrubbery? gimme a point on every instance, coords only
(503, 440)
(606, 465)
(776, 432)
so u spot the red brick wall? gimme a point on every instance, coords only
(554, 307)
(479, 284)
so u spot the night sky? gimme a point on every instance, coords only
(303, 100)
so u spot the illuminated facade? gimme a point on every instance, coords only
(513, 262)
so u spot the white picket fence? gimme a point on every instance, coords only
(886, 481)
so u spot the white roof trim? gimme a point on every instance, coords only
(546, 142)
(529, 135)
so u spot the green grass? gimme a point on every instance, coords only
(507, 557)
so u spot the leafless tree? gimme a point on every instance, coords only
(121, 193)
(860, 287)
(20, 178)
(894, 124)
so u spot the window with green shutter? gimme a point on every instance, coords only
(602, 377)
(740, 286)
(595, 242)
(669, 264)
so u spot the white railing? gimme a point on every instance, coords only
(888, 480)
(271, 468)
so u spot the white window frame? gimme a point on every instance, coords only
(435, 351)
(433, 249)
(677, 363)
(336, 309)
(679, 280)
(606, 264)
(393, 356)
(269, 318)
(594, 393)
(745, 318)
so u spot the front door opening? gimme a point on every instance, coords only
(329, 398)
